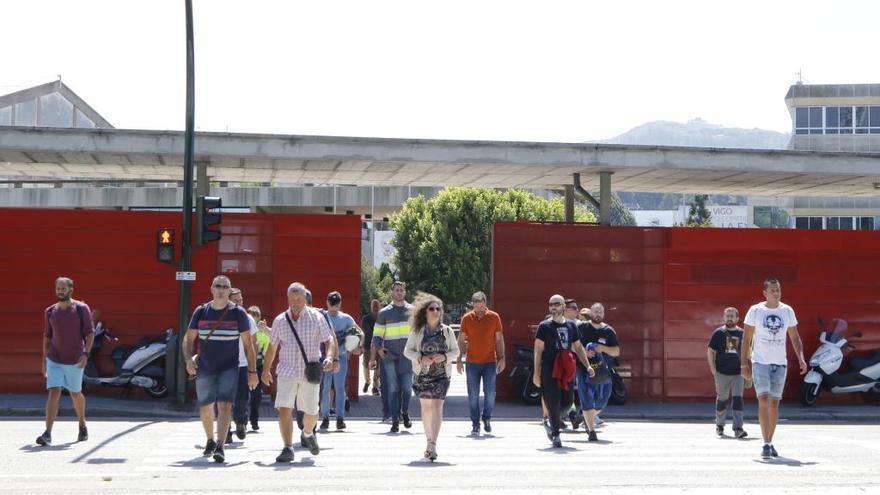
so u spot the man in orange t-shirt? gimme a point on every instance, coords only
(482, 340)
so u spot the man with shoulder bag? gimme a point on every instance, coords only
(297, 335)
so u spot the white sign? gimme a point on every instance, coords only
(729, 217)
(190, 276)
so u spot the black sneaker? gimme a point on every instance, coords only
(557, 443)
(255, 426)
(240, 431)
(325, 424)
(576, 421)
(475, 430)
(219, 455)
(592, 437)
(773, 451)
(228, 437)
(375, 392)
(286, 455)
(83, 434)
(366, 387)
(719, 430)
(340, 424)
(406, 421)
(44, 439)
(766, 451)
(548, 429)
(487, 426)
(210, 447)
(739, 433)
(395, 427)
(311, 443)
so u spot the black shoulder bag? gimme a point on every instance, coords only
(314, 369)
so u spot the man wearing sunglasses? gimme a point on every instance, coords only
(218, 325)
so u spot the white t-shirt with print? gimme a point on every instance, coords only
(242, 357)
(771, 328)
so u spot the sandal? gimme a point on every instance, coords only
(431, 451)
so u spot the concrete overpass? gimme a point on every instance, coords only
(58, 154)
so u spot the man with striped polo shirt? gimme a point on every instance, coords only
(389, 339)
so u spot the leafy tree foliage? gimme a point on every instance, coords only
(444, 244)
(699, 215)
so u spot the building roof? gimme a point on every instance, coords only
(56, 87)
(157, 155)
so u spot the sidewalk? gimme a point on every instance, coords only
(456, 407)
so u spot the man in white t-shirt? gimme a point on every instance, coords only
(763, 358)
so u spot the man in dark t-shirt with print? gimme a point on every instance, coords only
(600, 341)
(723, 354)
(218, 325)
(554, 366)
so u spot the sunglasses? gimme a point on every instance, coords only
(219, 286)
(554, 304)
(434, 308)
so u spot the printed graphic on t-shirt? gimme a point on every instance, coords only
(731, 344)
(773, 323)
(563, 337)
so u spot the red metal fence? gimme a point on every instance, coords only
(664, 290)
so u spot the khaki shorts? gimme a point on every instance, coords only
(300, 392)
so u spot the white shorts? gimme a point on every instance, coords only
(305, 395)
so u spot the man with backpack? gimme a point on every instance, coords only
(68, 336)
(600, 341)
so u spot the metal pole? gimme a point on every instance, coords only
(186, 258)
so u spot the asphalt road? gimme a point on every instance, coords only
(148, 456)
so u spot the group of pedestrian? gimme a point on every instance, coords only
(754, 356)
(408, 349)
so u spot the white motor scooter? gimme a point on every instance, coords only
(863, 374)
(141, 366)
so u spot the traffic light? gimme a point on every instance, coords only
(165, 245)
(205, 219)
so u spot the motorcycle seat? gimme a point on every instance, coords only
(863, 362)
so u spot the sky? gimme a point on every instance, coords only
(545, 70)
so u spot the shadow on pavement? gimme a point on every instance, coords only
(39, 448)
(106, 461)
(559, 450)
(277, 466)
(424, 463)
(204, 463)
(111, 439)
(785, 461)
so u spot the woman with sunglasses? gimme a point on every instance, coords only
(432, 348)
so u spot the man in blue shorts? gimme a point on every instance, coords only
(763, 358)
(600, 341)
(218, 325)
(67, 339)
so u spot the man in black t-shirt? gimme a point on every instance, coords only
(724, 361)
(554, 367)
(600, 341)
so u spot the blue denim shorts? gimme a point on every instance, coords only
(769, 379)
(69, 376)
(216, 387)
(592, 395)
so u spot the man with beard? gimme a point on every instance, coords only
(723, 355)
(555, 341)
(600, 341)
(389, 340)
(67, 339)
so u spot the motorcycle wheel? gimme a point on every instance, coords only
(530, 394)
(619, 393)
(158, 391)
(810, 393)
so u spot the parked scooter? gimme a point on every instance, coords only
(522, 370)
(863, 374)
(140, 366)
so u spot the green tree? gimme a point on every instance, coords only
(699, 215)
(444, 245)
(375, 283)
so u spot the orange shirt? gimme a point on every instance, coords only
(481, 336)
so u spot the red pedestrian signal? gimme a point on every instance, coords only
(165, 245)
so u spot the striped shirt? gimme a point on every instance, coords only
(392, 329)
(220, 352)
(312, 328)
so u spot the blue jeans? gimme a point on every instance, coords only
(476, 372)
(337, 381)
(242, 396)
(399, 386)
(383, 391)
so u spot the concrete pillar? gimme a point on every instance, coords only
(605, 198)
(569, 203)
(203, 186)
